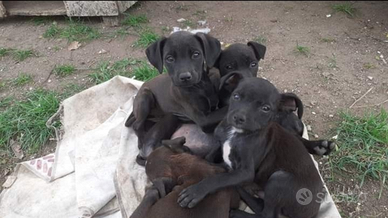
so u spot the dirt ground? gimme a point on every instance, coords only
(348, 56)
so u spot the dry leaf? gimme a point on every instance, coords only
(17, 149)
(73, 46)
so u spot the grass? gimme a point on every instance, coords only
(369, 66)
(64, 70)
(37, 21)
(333, 62)
(17, 54)
(228, 19)
(22, 80)
(134, 20)
(328, 40)
(4, 51)
(302, 50)
(146, 38)
(75, 30)
(260, 39)
(363, 146)
(145, 72)
(105, 70)
(345, 8)
(25, 121)
(187, 23)
(201, 14)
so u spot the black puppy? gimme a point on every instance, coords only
(185, 92)
(244, 59)
(259, 150)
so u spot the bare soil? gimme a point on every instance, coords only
(329, 79)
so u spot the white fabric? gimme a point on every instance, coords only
(93, 171)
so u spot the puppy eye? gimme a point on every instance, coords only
(266, 108)
(170, 59)
(196, 54)
(253, 64)
(236, 96)
(229, 67)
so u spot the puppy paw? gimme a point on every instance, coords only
(237, 214)
(191, 196)
(324, 147)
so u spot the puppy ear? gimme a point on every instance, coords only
(177, 145)
(230, 81)
(154, 54)
(259, 49)
(211, 48)
(290, 102)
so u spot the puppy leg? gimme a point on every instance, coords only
(256, 204)
(319, 147)
(150, 198)
(164, 185)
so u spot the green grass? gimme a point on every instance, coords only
(201, 14)
(37, 21)
(229, 19)
(187, 23)
(303, 50)
(73, 31)
(4, 51)
(105, 70)
(135, 20)
(145, 72)
(363, 146)
(21, 55)
(328, 40)
(146, 38)
(345, 8)
(64, 70)
(260, 39)
(25, 120)
(333, 62)
(22, 79)
(369, 66)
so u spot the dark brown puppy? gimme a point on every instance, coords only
(171, 169)
(259, 150)
(186, 91)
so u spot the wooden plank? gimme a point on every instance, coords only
(91, 8)
(3, 12)
(35, 8)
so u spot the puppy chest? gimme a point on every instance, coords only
(229, 153)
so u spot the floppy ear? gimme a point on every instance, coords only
(177, 145)
(211, 48)
(230, 81)
(154, 54)
(290, 102)
(258, 48)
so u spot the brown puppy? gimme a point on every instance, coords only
(171, 169)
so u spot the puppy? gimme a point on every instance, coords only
(172, 168)
(185, 91)
(259, 150)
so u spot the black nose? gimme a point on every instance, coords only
(141, 160)
(185, 76)
(239, 119)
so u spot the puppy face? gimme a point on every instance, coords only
(184, 55)
(242, 58)
(253, 104)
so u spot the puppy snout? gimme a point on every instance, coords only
(185, 77)
(239, 119)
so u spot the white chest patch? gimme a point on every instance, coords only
(226, 147)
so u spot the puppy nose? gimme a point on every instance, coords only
(239, 119)
(185, 76)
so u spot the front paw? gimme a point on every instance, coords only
(191, 196)
(325, 147)
(237, 214)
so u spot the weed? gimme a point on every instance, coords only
(201, 14)
(4, 51)
(64, 70)
(105, 71)
(21, 55)
(188, 23)
(346, 8)
(22, 79)
(122, 32)
(302, 50)
(165, 29)
(369, 66)
(146, 37)
(134, 20)
(74, 31)
(228, 19)
(182, 7)
(363, 145)
(260, 39)
(25, 121)
(37, 21)
(145, 72)
(328, 40)
(332, 62)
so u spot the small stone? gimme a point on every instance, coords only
(49, 81)
(316, 136)
(308, 128)
(102, 51)
(30, 88)
(370, 78)
(201, 22)
(180, 20)
(328, 15)
(331, 115)
(313, 113)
